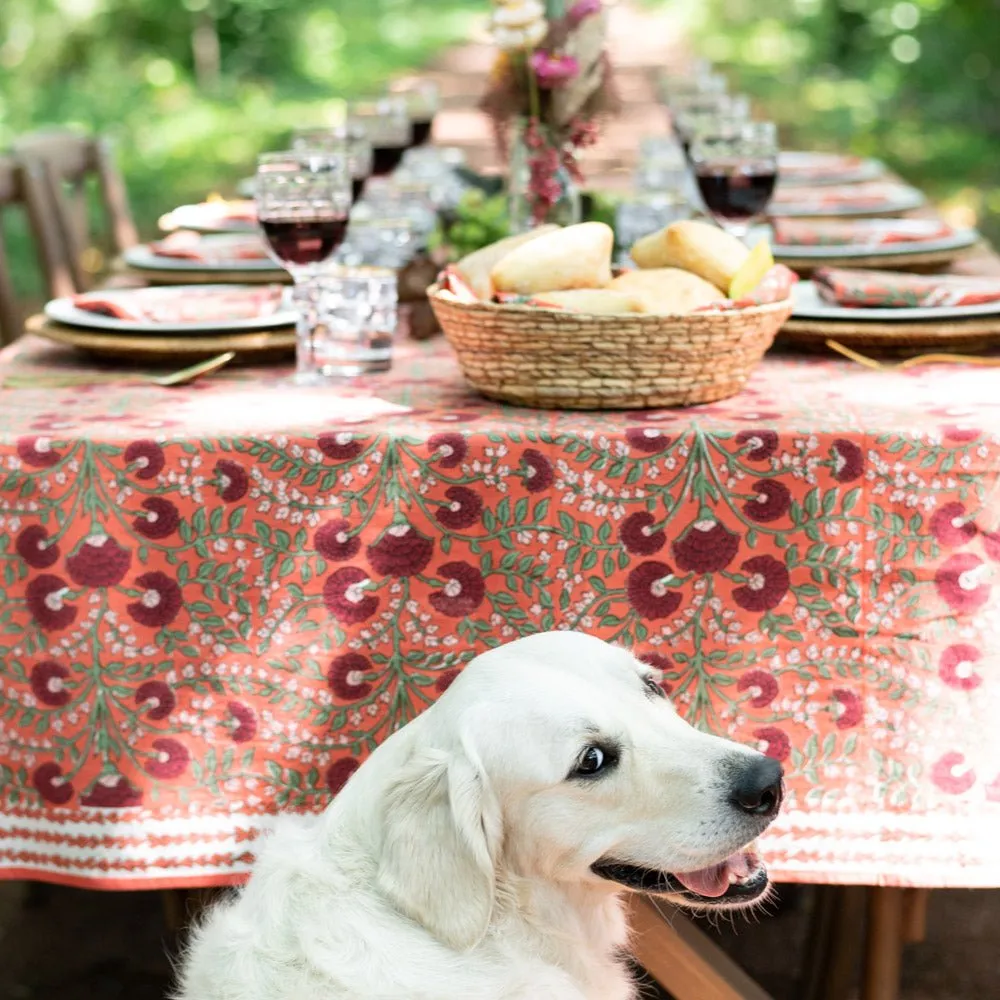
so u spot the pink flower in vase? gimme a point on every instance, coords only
(553, 70)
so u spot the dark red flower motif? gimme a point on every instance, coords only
(763, 687)
(44, 597)
(445, 680)
(464, 590)
(960, 582)
(339, 771)
(638, 537)
(232, 480)
(340, 446)
(99, 562)
(848, 460)
(538, 472)
(147, 457)
(161, 602)
(34, 547)
(170, 760)
(991, 544)
(767, 584)
(49, 782)
(37, 452)
(850, 708)
(112, 791)
(776, 743)
(944, 775)
(706, 547)
(463, 511)
(346, 676)
(159, 521)
(47, 683)
(159, 698)
(345, 597)
(771, 503)
(762, 444)
(335, 543)
(246, 722)
(401, 551)
(648, 593)
(955, 667)
(951, 527)
(958, 434)
(650, 440)
(448, 449)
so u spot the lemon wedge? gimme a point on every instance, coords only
(751, 271)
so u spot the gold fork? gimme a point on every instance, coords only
(183, 377)
(921, 359)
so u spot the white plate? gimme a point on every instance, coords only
(906, 198)
(64, 311)
(865, 170)
(198, 220)
(958, 240)
(809, 305)
(142, 256)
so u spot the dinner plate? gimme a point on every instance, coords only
(961, 239)
(66, 312)
(809, 305)
(142, 256)
(205, 217)
(900, 198)
(808, 169)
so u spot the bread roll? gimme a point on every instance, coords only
(667, 290)
(593, 301)
(702, 249)
(475, 267)
(574, 257)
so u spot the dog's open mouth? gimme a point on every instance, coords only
(740, 878)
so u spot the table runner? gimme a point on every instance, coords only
(217, 599)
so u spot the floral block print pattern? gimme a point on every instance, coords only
(218, 600)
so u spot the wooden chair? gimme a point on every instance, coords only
(69, 160)
(25, 185)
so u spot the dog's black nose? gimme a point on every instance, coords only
(757, 789)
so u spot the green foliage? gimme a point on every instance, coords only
(914, 82)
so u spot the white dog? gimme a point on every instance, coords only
(480, 853)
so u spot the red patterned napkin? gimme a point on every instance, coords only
(775, 286)
(868, 195)
(888, 290)
(822, 166)
(185, 245)
(863, 233)
(182, 306)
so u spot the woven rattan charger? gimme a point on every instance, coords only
(563, 360)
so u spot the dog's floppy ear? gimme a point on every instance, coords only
(441, 837)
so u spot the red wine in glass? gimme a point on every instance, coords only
(421, 131)
(385, 159)
(357, 189)
(300, 242)
(736, 193)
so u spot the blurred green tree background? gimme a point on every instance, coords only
(191, 90)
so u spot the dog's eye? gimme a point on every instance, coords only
(653, 687)
(593, 761)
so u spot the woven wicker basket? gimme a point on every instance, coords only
(566, 361)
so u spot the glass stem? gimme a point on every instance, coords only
(305, 296)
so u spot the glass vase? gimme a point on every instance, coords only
(540, 187)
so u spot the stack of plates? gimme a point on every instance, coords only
(173, 323)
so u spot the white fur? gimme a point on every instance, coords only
(455, 864)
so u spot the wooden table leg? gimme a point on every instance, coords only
(683, 959)
(835, 942)
(915, 915)
(884, 944)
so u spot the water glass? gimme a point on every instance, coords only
(736, 168)
(692, 114)
(351, 140)
(378, 241)
(356, 311)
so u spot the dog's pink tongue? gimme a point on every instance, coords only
(714, 881)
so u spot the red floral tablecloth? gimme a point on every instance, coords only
(216, 600)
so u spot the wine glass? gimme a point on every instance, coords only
(351, 140)
(303, 201)
(386, 121)
(736, 168)
(423, 101)
(692, 113)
